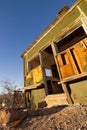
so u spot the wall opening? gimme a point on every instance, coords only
(71, 39)
(52, 76)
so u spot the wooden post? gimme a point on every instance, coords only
(24, 70)
(55, 50)
(67, 93)
(43, 73)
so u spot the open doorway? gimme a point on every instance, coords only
(51, 72)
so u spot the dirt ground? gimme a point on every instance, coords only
(56, 118)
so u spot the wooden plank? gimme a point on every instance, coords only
(78, 58)
(65, 64)
(59, 58)
(79, 51)
(74, 77)
(85, 41)
(66, 71)
(52, 78)
(31, 87)
(37, 74)
(72, 62)
(56, 99)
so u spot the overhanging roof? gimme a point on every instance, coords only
(48, 29)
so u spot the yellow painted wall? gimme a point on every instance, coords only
(34, 76)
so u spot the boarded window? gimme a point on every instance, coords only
(65, 65)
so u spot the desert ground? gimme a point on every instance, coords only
(73, 117)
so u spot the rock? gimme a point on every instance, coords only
(8, 115)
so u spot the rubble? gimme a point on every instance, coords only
(73, 117)
(11, 117)
(57, 118)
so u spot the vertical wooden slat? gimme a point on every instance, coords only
(60, 60)
(78, 59)
(43, 73)
(72, 62)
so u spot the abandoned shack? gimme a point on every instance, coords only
(56, 62)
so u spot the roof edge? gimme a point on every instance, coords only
(49, 28)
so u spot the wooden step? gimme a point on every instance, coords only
(56, 99)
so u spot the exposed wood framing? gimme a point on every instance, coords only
(72, 61)
(67, 93)
(31, 87)
(52, 78)
(62, 50)
(55, 50)
(69, 29)
(43, 72)
(24, 69)
(74, 77)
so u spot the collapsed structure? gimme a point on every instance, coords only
(56, 62)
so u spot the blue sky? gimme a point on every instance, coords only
(21, 22)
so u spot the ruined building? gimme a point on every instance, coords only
(56, 62)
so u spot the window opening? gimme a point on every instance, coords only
(49, 85)
(29, 67)
(63, 58)
(48, 72)
(71, 39)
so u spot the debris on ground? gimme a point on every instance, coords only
(72, 117)
(11, 117)
(57, 118)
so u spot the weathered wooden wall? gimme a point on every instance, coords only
(55, 32)
(78, 91)
(70, 57)
(36, 96)
(34, 76)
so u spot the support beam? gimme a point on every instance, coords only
(67, 93)
(55, 50)
(43, 72)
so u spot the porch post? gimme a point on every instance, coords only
(43, 72)
(67, 93)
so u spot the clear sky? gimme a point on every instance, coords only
(21, 22)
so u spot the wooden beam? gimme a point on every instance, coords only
(55, 50)
(71, 78)
(52, 78)
(31, 87)
(43, 73)
(72, 62)
(67, 93)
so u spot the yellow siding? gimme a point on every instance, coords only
(37, 74)
(29, 75)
